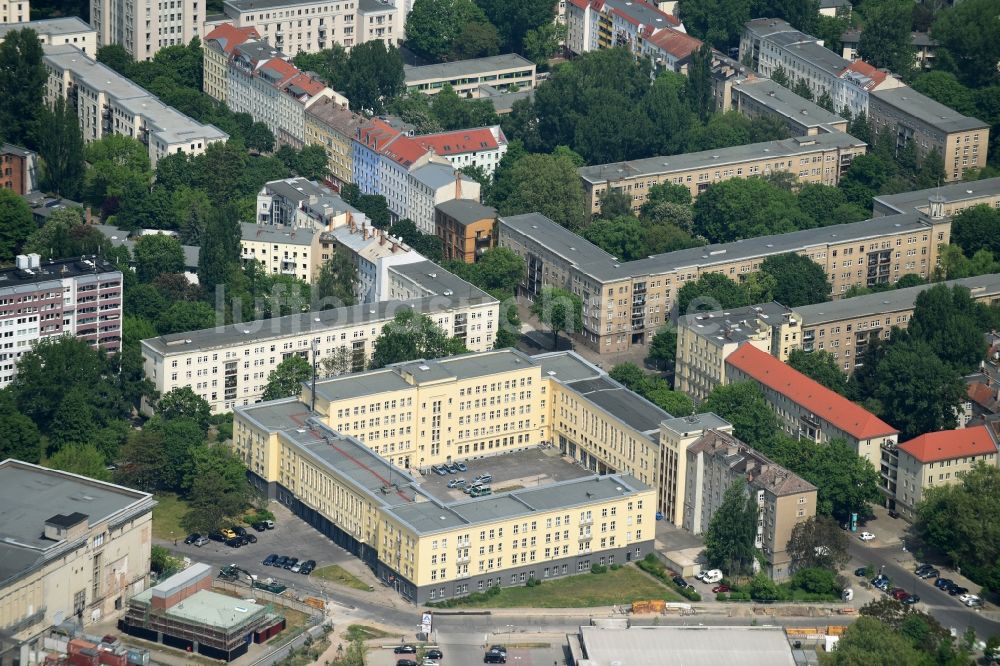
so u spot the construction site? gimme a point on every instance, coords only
(184, 613)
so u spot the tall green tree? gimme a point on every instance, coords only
(820, 366)
(514, 19)
(410, 336)
(19, 436)
(561, 310)
(16, 224)
(286, 380)
(969, 45)
(977, 228)
(711, 291)
(184, 316)
(743, 405)
(868, 641)
(64, 235)
(60, 148)
(374, 76)
(22, 84)
(156, 254)
(798, 279)
(434, 26)
(744, 208)
(818, 542)
(952, 324)
(545, 184)
(220, 248)
(216, 488)
(82, 459)
(183, 403)
(729, 540)
(663, 348)
(337, 277)
(886, 42)
(719, 22)
(699, 83)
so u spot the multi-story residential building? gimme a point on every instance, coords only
(808, 410)
(907, 116)
(229, 365)
(670, 50)
(334, 127)
(433, 184)
(763, 97)
(281, 250)
(705, 339)
(78, 297)
(218, 49)
(481, 147)
(308, 26)
(924, 46)
(822, 158)
(302, 203)
(676, 435)
(15, 11)
(373, 252)
(73, 549)
(604, 24)
(502, 72)
(466, 228)
(953, 198)
(366, 155)
(108, 103)
(68, 30)
(933, 460)
(143, 28)
(845, 327)
(401, 159)
(262, 82)
(715, 461)
(18, 169)
(624, 302)
(772, 43)
(835, 8)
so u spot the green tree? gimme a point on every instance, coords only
(828, 205)
(64, 235)
(514, 19)
(711, 291)
(799, 280)
(977, 228)
(802, 89)
(22, 84)
(476, 40)
(217, 488)
(560, 310)
(116, 57)
(820, 366)
(668, 192)
(337, 277)
(143, 461)
(969, 45)
(885, 42)
(543, 42)
(374, 76)
(191, 209)
(338, 363)
(16, 224)
(545, 184)
(180, 438)
(866, 177)
(220, 248)
(623, 237)
(156, 254)
(699, 83)
(944, 87)
(19, 436)
(183, 403)
(744, 208)
(330, 64)
(260, 138)
(729, 539)
(743, 405)
(668, 108)
(615, 204)
(185, 316)
(434, 26)
(719, 22)
(652, 388)
(826, 101)
(818, 542)
(868, 642)
(82, 459)
(780, 76)
(286, 380)
(118, 164)
(952, 324)
(60, 148)
(663, 348)
(410, 336)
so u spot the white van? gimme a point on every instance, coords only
(712, 577)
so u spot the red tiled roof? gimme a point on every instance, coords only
(805, 392)
(950, 444)
(461, 141)
(307, 83)
(284, 69)
(676, 43)
(229, 36)
(982, 395)
(404, 151)
(376, 131)
(580, 4)
(877, 76)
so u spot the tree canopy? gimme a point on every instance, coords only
(743, 405)
(439, 29)
(729, 539)
(821, 366)
(798, 280)
(286, 380)
(560, 310)
(411, 336)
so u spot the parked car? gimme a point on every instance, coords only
(430, 662)
(228, 533)
(292, 561)
(406, 662)
(191, 538)
(881, 583)
(911, 599)
(720, 588)
(405, 649)
(201, 541)
(499, 648)
(894, 515)
(240, 531)
(269, 524)
(899, 593)
(971, 600)
(260, 527)
(861, 572)
(495, 655)
(296, 568)
(434, 653)
(866, 536)
(713, 576)
(680, 582)
(481, 491)
(957, 591)
(456, 483)
(270, 559)
(216, 536)
(250, 538)
(452, 468)
(922, 568)
(280, 562)
(484, 478)
(235, 542)
(461, 467)
(439, 470)
(929, 573)
(307, 567)
(943, 584)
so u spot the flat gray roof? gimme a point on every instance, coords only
(66, 25)
(466, 211)
(462, 68)
(30, 495)
(818, 56)
(692, 423)
(725, 326)
(907, 202)
(211, 609)
(297, 189)
(601, 266)
(435, 175)
(566, 366)
(784, 102)
(923, 108)
(630, 408)
(690, 646)
(892, 300)
(710, 159)
(437, 281)
(503, 102)
(271, 233)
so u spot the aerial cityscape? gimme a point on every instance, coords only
(449, 332)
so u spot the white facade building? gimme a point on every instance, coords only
(373, 252)
(143, 27)
(432, 184)
(481, 147)
(15, 11)
(70, 30)
(108, 103)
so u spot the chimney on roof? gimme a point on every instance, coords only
(381, 237)
(458, 184)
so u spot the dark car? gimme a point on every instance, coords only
(461, 467)
(452, 468)
(434, 653)
(893, 515)
(911, 599)
(269, 560)
(216, 536)
(405, 649)
(495, 655)
(235, 542)
(899, 593)
(307, 567)
(280, 562)
(943, 584)
(957, 591)
(260, 527)
(406, 662)
(861, 572)
(191, 538)
(292, 561)
(929, 573)
(680, 582)
(240, 531)
(249, 538)
(922, 568)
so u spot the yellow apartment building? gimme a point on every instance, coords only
(219, 45)
(281, 250)
(334, 127)
(953, 197)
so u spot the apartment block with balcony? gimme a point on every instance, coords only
(466, 228)
(143, 28)
(624, 303)
(846, 327)
(481, 147)
(764, 98)
(217, 50)
(909, 117)
(18, 169)
(108, 103)
(715, 461)
(676, 436)
(933, 460)
(302, 203)
(77, 297)
(706, 339)
(502, 72)
(953, 198)
(56, 31)
(280, 250)
(334, 127)
(229, 365)
(821, 158)
(73, 550)
(310, 26)
(15, 11)
(808, 410)
(373, 252)
(633, 24)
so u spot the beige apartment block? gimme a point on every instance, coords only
(334, 127)
(953, 198)
(339, 457)
(715, 461)
(908, 116)
(282, 250)
(57, 31)
(757, 97)
(15, 11)
(931, 461)
(625, 303)
(822, 158)
(676, 436)
(218, 48)
(73, 549)
(705, 339)
(501, 72)
(143, 28)
(845, 327)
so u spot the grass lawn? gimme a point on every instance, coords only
(167, 516)
(365, 632)
(295, 622)
(623, 586)
(338, 574)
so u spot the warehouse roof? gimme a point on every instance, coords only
(690, 646)
(462, 68)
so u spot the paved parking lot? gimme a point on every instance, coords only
(457, 654)
(511, 471)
